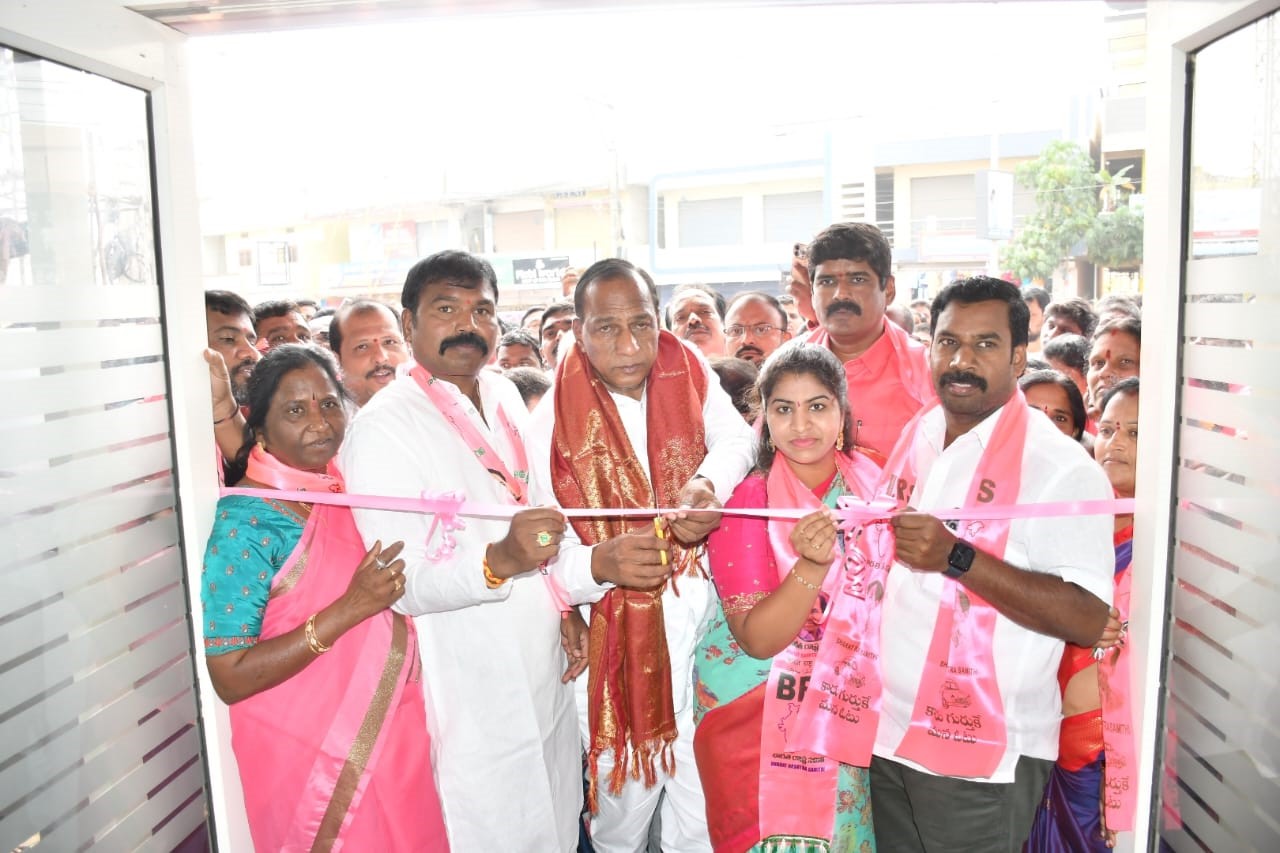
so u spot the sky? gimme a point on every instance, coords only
(343, 118)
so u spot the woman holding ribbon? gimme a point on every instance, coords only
(786, 677)
(327, 715)
(1092, 789)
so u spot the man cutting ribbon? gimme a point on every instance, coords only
(636, 421)
(976, 613)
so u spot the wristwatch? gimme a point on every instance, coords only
(959, 560)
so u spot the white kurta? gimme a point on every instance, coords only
(1076, 548)
(504, 742)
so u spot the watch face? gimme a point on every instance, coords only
(960, 559)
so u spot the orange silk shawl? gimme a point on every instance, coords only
(594, 465)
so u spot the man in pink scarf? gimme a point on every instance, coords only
(887, 371)
(976, 612)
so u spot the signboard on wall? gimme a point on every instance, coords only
(539, 272)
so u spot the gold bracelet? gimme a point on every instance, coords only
(313, 642)
(234, 410)
(796, 575)
(490, 579)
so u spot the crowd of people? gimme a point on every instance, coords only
(725, 595)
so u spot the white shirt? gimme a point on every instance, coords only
(1076, 548)
(731, 448)
(503, 728)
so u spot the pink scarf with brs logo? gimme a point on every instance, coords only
(822, 699)
(957, 723)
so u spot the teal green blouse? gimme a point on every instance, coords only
(250, 542)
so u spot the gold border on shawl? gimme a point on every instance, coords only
(362, 747)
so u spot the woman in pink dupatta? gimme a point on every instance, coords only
(783, 758)
(328, 721)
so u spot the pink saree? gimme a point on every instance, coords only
(338, 756)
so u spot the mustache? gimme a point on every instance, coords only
(844, 305)
(748, 348)
(960, 376)
(465, 339)
(240, 389)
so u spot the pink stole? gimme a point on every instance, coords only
(308, 748)
(516, 482)
(1120, 795)
(806, 732)
(447, 402)
(957, 724)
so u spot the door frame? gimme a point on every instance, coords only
(1176, 29)
(114, 42)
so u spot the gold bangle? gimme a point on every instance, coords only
(234, 410)
(796, 575)
(313, 642)
(490, 579)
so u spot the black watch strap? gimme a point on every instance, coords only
(959, 560)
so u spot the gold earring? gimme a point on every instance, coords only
(840, 441)
(769, 441)
(262, 445)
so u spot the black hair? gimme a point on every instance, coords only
(852, 241)
(360, 306)
(607, 269)
(520, 338)
(537, 309)
(716, 298)
(226, 302)
(1128, 386)
(529, 381)
(555, 309)
(808, 359)
(738, 379)
(265, 381)
(273, 308)
(1119, 302)
(774, 302)
(984, 288)
(1078, 310)
(1075, 401)
(1071, 350)
(1039, 294)
(901, 315)
(1131, 326)
(307, 303)
(458, 268)
(324, 312)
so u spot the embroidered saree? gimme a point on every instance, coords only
(336, 757)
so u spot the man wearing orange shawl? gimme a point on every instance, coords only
(635, 422)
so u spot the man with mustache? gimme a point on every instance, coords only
(974, 629)
(231, 356)
(696, 314)
(366, 338)
(849, 270)
(755, 326)
(636, 420)
(503, 729)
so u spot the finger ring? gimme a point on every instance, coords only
(399, 584)
(382, 564)
(544, 538)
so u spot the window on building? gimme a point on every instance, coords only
(711, 222)
(792, 217)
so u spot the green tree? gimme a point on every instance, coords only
(1115, 237)
(1066, 188)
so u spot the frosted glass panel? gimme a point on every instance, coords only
(1221, 735)
(99, 747)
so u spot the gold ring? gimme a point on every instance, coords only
(544, 538)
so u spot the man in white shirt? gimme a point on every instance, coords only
(1052, 582)
(504, 742)
(637, 419)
